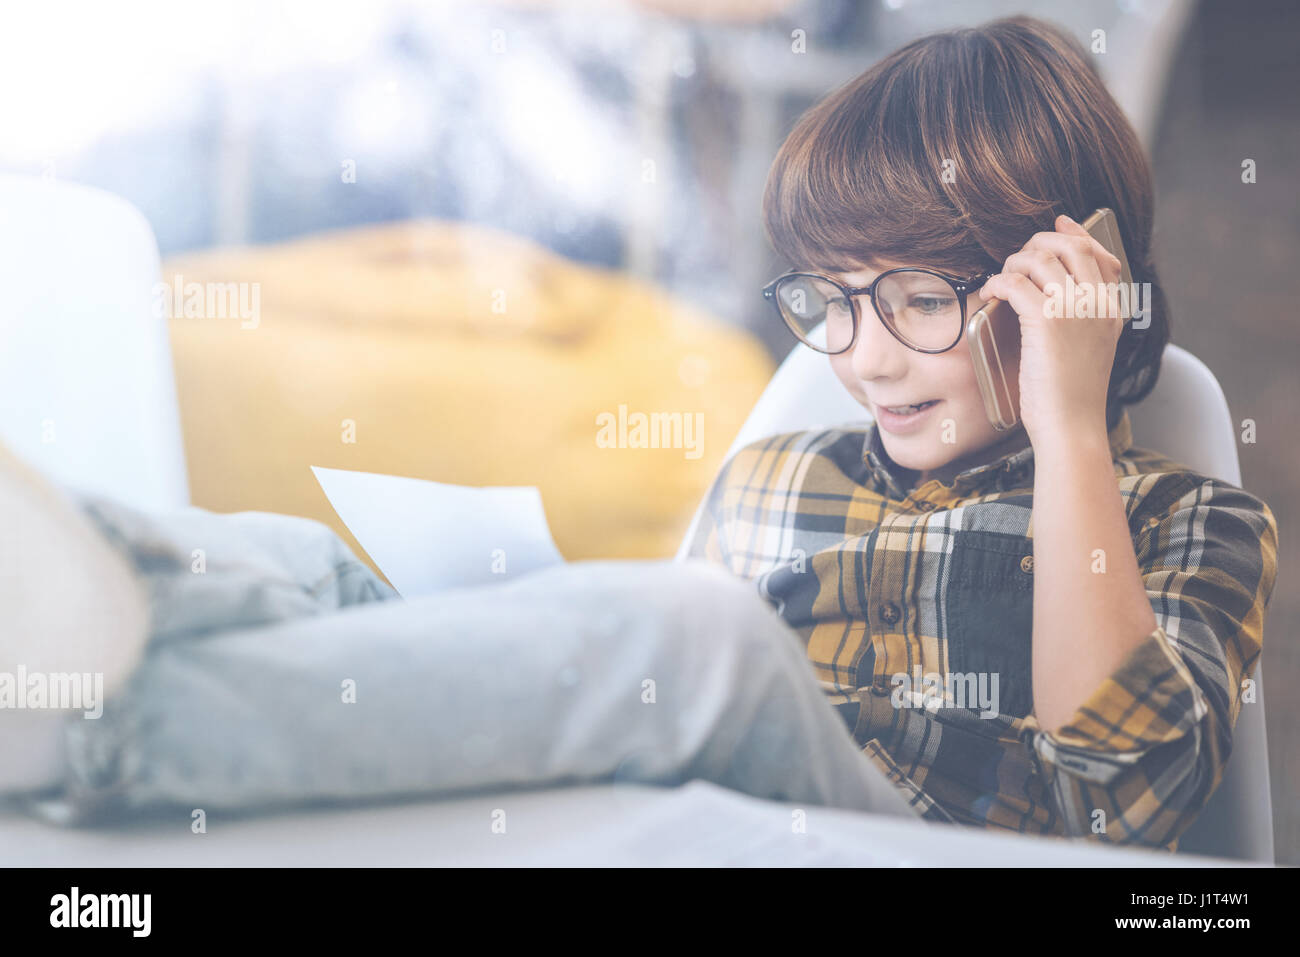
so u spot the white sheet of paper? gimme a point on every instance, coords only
(429, 536)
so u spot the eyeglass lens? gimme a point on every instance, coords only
(921, 308)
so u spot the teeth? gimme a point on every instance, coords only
(905, 409)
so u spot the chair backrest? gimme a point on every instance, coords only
(1186, 418)
(87, 393)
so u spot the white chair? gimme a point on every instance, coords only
(1186, 418)
(86, 388)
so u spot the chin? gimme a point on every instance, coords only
(920, 459)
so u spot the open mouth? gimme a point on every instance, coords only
(908, 409)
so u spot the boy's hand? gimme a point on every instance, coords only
(1067, 346)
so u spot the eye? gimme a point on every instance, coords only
(932, 305)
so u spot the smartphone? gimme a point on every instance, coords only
(993, 333)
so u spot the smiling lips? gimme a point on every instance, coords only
(904, 423)
(906, 409)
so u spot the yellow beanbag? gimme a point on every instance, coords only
(458, 353)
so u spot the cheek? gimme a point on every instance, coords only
(966, 405)
(843, 366)
(959, 376)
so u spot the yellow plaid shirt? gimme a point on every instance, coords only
(883, 584)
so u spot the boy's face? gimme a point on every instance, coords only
(881, 371)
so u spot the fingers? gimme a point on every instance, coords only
(1050, 257)
(1053, 257)
(1039, 264)
(1076, 252)
(1106, 261)
(1018, 290)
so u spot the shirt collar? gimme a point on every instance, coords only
(1011, 469)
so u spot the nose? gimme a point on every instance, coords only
(876, 354)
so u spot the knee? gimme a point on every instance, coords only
(714, 608)
(73, 603)
(707, 586)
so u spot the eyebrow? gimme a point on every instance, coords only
(840, 271)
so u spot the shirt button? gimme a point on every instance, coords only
(889, 613)
(1027, 564)
(881, 690)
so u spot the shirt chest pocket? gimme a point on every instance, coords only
(990, 609)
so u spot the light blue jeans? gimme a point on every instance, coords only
(281, 671)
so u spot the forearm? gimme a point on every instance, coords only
(1090, 603)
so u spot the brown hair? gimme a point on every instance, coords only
(1031, 131)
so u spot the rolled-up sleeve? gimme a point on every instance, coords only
(1139, 759)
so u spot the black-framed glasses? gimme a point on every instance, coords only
(924, 309)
